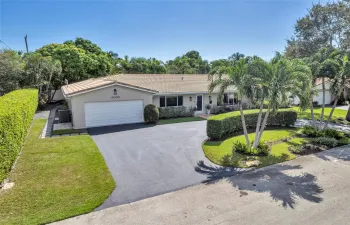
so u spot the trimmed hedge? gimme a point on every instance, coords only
(174, 112)
(17, 109)
(226, 124)
(151, 114)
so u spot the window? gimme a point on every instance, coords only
(171, 100)
(162, 101)
(225, 98)
(180, 100)
(168, 101)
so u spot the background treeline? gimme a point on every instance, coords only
(49, 67)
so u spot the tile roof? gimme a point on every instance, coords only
(158, 83)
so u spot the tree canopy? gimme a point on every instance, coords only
(324, 26)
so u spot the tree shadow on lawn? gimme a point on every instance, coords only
(282, 187)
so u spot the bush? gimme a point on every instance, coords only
(263, 149)
(326, 141)
(223, 125)
(332, 133)
(315, 103)
(151, 114)
(17, 109)
(311, 132)
(173, 112)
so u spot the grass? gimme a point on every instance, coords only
(216, 151)
(338, 113)
(55, 178)
(180, 120)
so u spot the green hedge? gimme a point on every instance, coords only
(174, 112)
(226, 124)
(17, 109)
(151, 114)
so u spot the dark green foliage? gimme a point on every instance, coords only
(332, 133)
(311, 132)
(226, 124)
(151, 114)
(173, 112)
(16, 113)
(326, 141)
(263, 149)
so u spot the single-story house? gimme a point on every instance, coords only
(318, 97)
(120, 99)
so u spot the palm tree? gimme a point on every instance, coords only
(274, 82)
(340, 82)
(232, 77)
(324, 65)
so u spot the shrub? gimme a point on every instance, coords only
(311, 132)
(326, 141)
(263, 149)
(220, 126)
(17, 109)
(306, 149)
(332, 133)
(315, 103)
(151, 114)
(173, 112)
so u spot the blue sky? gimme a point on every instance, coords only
(161, 29)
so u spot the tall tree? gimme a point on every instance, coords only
(11, 70)
(274, 82)
(324, 66)
(234, 76)
(189, 63)
(324, 26)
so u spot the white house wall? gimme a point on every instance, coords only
(104, 95)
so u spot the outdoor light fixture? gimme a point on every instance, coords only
(210, 101)
(190, 99)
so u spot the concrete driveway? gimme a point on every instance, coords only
(312, 189)
(150, 160)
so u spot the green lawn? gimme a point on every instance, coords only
(55, 178)
(338, 113)
(180, 120)
(215, 151)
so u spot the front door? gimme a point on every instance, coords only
(199, 102)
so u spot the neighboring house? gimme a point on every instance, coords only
(120, 99)
(329, 97)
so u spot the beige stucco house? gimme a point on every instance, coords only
(120, 99)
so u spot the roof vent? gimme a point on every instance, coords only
(182, 78)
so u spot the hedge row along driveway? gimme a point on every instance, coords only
(17, 109)
(55, 178)
(223, 125)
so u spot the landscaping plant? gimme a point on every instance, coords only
(17, 109)
(151, 114)
(326, 141)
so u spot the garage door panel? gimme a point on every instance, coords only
(113, 113)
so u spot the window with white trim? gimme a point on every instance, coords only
(170, 101)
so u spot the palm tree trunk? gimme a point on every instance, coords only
(323, 100)
(244, 125)
(263, 125)
(258, 125)
(333, 107)
(312, 113)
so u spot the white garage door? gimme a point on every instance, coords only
(319, 97)
(113, 113)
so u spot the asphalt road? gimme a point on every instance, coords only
(146, 161)
(308, 190)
